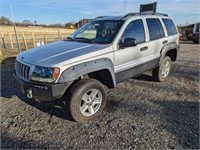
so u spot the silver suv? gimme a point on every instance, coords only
(103, 52)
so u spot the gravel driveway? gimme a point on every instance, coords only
(140, 114)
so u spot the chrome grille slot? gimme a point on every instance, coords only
(22, 70)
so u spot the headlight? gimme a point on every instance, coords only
(45, 74)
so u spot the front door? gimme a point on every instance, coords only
(126, 59)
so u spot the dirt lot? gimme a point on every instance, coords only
(140, 113)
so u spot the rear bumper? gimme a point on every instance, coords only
(41, 91)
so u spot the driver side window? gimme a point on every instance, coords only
(135, 30)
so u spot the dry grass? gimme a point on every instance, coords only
(7, 53)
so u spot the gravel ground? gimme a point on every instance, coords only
(140, 114)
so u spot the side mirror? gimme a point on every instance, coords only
(128, 42)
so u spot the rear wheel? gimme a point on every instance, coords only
(162, 72)
(87, 100)
(196, 41)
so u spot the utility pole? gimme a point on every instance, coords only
(14, 26)
(59, 37)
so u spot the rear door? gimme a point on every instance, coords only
(157, 36)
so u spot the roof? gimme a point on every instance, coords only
(129, 15)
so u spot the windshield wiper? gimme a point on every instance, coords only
(85, 40)
(69, 39)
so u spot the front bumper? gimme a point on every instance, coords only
(41, 91)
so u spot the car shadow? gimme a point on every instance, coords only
(144, 77)
(54, 108)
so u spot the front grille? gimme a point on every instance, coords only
(22, 70)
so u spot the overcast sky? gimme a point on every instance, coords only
(63, 11)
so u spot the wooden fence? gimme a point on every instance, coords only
(29, 37)
(28, 40)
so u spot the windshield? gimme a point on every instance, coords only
(101, 32)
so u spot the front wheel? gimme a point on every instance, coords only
(196, 41)
(87, 101)
(162, 72)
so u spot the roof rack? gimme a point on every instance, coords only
(143, 13)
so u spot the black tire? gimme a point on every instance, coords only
(81, 88)
(196, 41)
(157, 72)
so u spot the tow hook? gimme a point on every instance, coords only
(29, 93)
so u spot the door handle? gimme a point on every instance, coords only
(164, 42)
(144, 48)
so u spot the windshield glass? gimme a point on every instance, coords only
(101, 32)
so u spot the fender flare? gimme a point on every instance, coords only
(166, 48)
(73, 73)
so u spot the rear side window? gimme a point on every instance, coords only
(171, 29)
(135, 30)
(155, 28)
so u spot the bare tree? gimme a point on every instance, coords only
(5, 21)
(27, 22)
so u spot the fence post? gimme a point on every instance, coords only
(11, 41)
(45, 40)
(0, 50)
(24, 40)
(3, 40)
(33, 39)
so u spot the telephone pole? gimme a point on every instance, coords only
(14, 26)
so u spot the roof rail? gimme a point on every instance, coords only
(100, 17)
(130, 14)
(144, 13)
(159, 14)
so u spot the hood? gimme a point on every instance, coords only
(54, 53)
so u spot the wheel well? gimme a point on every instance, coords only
(104, 76)
(172, 54)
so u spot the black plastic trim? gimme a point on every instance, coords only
(42, 91)
(135, 71)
